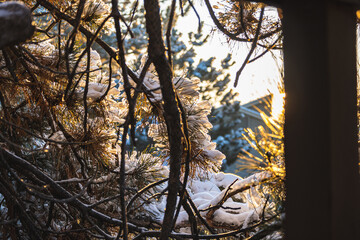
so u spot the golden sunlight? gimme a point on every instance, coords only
(277, 106)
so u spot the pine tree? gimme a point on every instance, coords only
(68, 121)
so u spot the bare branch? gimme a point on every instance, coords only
(156, 51)
(253, 46)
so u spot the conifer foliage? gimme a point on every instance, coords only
(69, 167)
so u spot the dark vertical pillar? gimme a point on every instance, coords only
(320, 121)
(345, 181)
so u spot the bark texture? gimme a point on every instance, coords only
(171, 111)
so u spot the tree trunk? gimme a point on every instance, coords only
(156, 51)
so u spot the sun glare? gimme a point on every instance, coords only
(277, 106)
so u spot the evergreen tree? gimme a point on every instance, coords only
(228, 132)
(68, 118)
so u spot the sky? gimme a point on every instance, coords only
(258, 78)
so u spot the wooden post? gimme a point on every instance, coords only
(321, 149)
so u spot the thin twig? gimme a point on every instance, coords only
(168, 31)
(232, 35)
(253, 46)
(268, 49)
